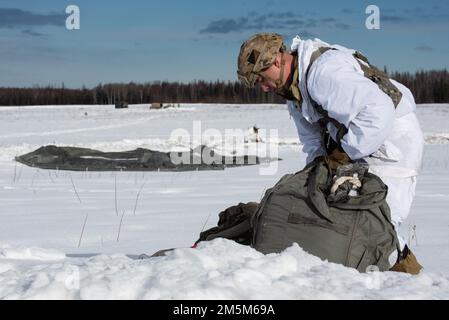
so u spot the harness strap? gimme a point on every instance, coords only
(378, 77)
(341, 129)
(371, 72)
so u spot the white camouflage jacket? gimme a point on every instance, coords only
(389, 139)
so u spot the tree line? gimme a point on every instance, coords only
(426, 86)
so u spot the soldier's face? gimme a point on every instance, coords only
(267, 78)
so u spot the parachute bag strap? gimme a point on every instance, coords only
(240, 233)
(232, 233)
(233, 224)
(319, 180)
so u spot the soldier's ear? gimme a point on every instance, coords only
(277, 61)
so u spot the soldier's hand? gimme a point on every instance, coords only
(337, 158)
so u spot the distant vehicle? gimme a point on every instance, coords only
(121, 105)
(160, 105)
(156, 105)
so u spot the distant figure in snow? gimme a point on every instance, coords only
(253, 135)
(346, 110)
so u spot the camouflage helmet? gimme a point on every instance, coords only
(257, 54)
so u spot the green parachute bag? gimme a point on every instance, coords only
(345, 224)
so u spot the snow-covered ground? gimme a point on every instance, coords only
(117, 213)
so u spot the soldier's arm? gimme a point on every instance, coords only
(309, 134)
(337, 83)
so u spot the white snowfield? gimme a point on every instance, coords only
(70, 235)
(221, 269)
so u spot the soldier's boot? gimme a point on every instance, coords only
(407, 262)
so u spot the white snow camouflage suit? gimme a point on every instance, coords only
(389, 139)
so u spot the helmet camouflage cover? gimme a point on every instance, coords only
(257, 54)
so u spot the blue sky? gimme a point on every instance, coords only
(174, 40)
